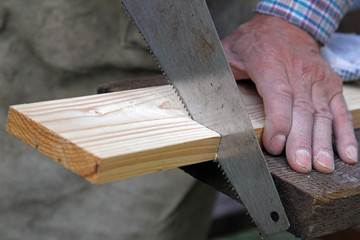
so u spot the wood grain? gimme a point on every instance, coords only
(111, 136)
(251, 98)
(318, 204)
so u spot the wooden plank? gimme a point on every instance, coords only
(116, 135)
(252, 100)
(128, 133)
(122, 134)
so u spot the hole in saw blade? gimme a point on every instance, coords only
(274, 216)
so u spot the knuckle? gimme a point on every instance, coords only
(320, 76)
(337, 82)
(306, 67)
(270, 60)
(318, 73)
(271, 56)
(347, 116)
(283, 91)
(304, 105)
(323, 111)
(310, 69)
(265, 64)
(341, 110)
(331, 86)
(303, 143)
(277, 90)
(278, 124)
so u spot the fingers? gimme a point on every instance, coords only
(314, 118)
(299, 144)
(302, 116)
(346, 143)
(323, 156)
(273, 87)
(309, 142)
(331, 113)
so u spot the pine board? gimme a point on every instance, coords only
(116, 135)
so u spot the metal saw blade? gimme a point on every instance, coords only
(182, 36)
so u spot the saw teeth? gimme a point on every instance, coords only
(157, 62)
(234, 192)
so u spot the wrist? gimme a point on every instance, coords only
(288, 30)
(319, 18)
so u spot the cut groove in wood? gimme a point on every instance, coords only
(122, 134)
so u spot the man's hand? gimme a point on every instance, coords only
(302, 96)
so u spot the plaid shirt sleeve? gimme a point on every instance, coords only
(320, 18)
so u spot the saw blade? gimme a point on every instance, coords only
(183, 38)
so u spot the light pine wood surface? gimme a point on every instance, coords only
(111, 136)
(123, 134)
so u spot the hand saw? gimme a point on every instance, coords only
(182, 36)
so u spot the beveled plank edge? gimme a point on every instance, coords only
(62, 150)
(159, 159)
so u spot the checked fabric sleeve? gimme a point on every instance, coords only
(319, 18)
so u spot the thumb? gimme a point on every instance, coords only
(236, 65)
(238, 70)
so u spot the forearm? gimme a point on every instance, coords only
(319, 18)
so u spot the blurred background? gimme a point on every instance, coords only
(51, 49)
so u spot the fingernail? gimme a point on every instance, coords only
(303, 159)
(277, 144)
(325, 159)
(352, 153)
